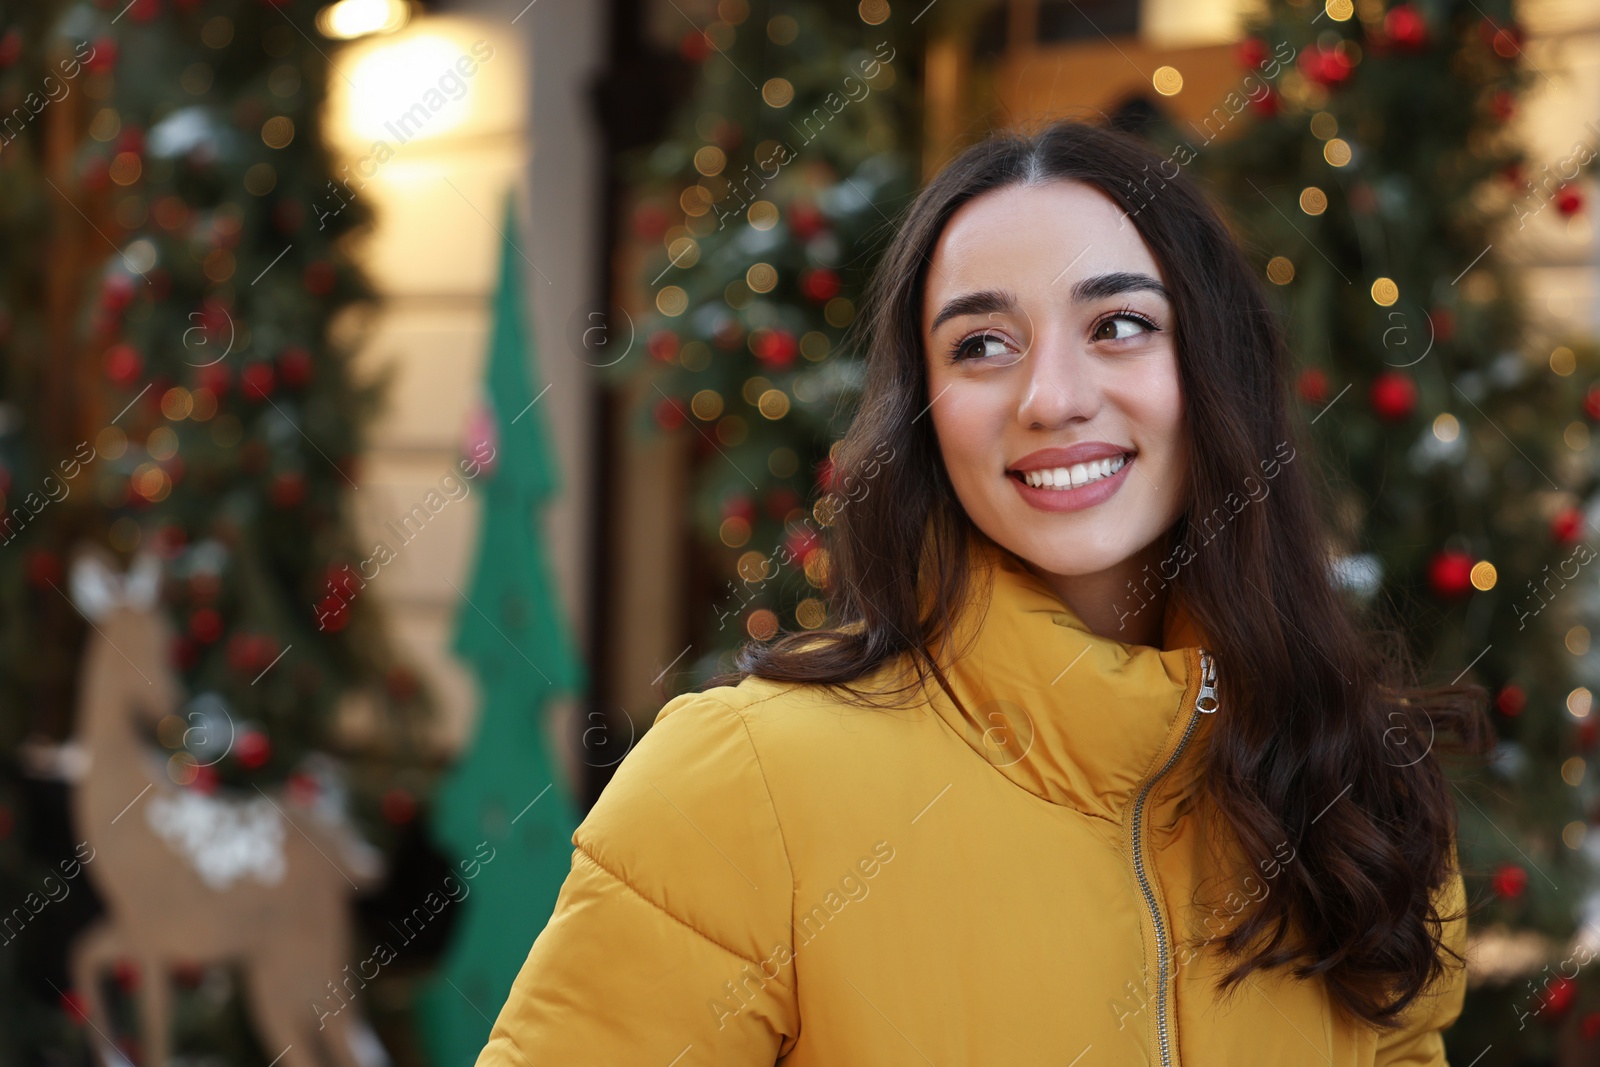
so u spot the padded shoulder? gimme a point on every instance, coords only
(688, 823)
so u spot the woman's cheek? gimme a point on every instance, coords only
(964, 425)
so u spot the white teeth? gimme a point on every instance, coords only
(1074, 476)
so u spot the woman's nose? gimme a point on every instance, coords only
(1059, 386)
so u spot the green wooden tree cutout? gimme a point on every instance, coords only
(504, 794)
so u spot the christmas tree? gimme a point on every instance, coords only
(1370, 158)
(501, 813)
(770, 198)
(178, 312)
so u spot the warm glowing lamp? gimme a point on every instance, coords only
(349, 19)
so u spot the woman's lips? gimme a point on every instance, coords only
(1077, 498)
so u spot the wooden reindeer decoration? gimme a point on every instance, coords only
(188, 877)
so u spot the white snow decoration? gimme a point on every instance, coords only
(1430, 450)
(181, 131)
(223, 840)
(364, 1044)
(1362, 573)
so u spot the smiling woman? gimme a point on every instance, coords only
(1219, 835)
(1048, 319)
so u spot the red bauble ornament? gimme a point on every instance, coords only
(341, 580)
(295, 367)
(44, 568)
(102, 55)
(1394, 395)
(1505, 40)
(1566, 526)
(801, 543)
(1450, 574)
(663, 346)
(169, 540)
(332, 614)
(1328, 67)
(820, 285)
(694, 46)
(781, 501)
(205, 625)
(776, 348)
(1509, 881)
(214, 378)
(1268, 104)
(805, 220)
(1591, 402)
(288, 490)
(96, 172)
(669, 413)
(144, 10)
(251, 653)
(1559, 996)
(319, 277)
(131, 139)
(206, 779)
(650, 222)
(1250, 51)
(825, 475)
(75, 1007)
(1503, 104)
(1569, 200)
(123, 365)
(1312, 385)
(1443, 323)
(253, 749)
(1511, 700)
(303, 789)
(183, 653)
(10, 47)
(399, 806)
(257, 380)
(739, 506)
(116, 294)
(1405, 26)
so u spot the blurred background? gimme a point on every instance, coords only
(401, 401)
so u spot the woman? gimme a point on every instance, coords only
(1100, 768)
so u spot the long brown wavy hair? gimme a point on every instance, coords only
(1323, 700)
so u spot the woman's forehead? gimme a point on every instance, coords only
(1033, 240)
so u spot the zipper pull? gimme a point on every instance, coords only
(1206, 701)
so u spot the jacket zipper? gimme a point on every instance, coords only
(1205, 702)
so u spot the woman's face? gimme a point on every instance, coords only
(1049, 346)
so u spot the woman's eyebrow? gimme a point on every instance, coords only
(1103, 285)
(982, 302)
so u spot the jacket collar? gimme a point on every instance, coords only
(1075, 718)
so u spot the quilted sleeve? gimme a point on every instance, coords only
(1420, 1042)
(670, 939)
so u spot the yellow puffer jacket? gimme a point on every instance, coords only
(774, 875)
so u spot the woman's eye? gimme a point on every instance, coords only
(1121, 327)
(978, 346)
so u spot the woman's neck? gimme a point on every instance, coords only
(1107, 602)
